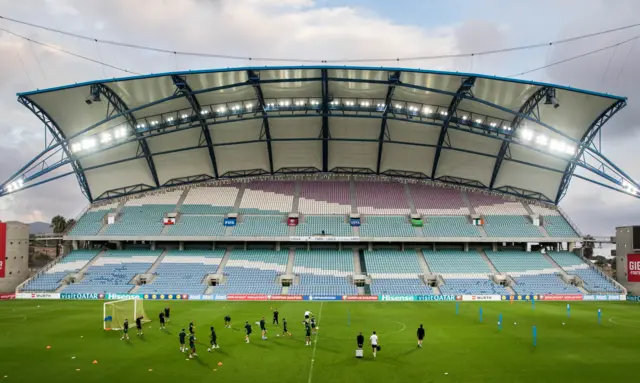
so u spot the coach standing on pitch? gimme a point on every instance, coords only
(420, 335)
(360, 340)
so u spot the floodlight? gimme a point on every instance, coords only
(493, 124)
(204, 111)
(426, 111)
(443, 112)
(169, 119)
(550, 98)
(184, 116)
(286, 103)
(570, 150)
(88, 143)
(140, 126)
(76, 147)
(464, 117)
(506, 127)
(249, 105)
(526, 134)
(542, 140)
(106, 137)
(478, 121)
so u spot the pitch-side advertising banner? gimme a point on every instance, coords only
(324, 239)
(160, 297)
(3, 248)
(285, 297)
(38, 296)
(477, 298)
(561, 297)
(604, 297)
(633, 298)
(83, 296)
(247, 297)
(633, 267)
(521, 297)
(322, 297)
(4, 297)
(359, 297)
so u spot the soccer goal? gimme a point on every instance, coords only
(115, 312)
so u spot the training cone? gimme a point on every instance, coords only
(48, 347)
(95, 362)
(219, 363)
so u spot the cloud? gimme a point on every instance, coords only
(312, 29)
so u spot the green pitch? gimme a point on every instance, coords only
(458, 348)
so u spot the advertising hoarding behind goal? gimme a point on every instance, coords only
(633, 267)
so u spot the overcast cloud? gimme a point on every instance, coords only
(322, 29)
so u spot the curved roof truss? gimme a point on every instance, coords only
(168, 129)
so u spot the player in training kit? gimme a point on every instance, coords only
(420, 335)
(360, 340)
(167, 313)
(307, 315)
(247, 329)
(275, 317)
(125, 330)
(192, 328)
(227, 321)
(214, 340)
(313, 325)
(374, 343)
(307, 335)
(263, 329)
(161, 316)
(139, 325)
(192, 345)
(182, 337)
(284, 327)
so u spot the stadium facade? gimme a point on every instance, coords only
(335, 181)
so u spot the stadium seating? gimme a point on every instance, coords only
(143, 216)
(543, 284)
(91, 222)
(268, 197)
(198, 225)
(594, 282)
(210, 200)
(557, 226)
(471, 286)
(456, 262)
(183, 272)
(395, 272)
(519, 261)
(261, 226)
(431, 200)
(381, 198)
(490, 204)
(386, 227)
(324, 197)
(113, 271)
(323, 272)
(253, 272)
(50, 280)
(510, 226)
(335, 226)
(442, 226)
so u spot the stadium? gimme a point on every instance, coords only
(339, 190)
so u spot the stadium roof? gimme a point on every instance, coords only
(134, 134)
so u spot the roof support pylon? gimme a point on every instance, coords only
(254, 79)
(325, 120)
(394, 79)
(464, 91)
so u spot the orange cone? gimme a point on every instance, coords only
(48, 347)
(219, 363)
(95, 362)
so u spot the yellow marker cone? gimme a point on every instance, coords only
(48, 347)
(219, 363)
(95, 362)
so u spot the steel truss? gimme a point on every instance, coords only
(116, 105)
(589, 157)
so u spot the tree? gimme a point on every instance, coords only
(70, 223)
(58, 224)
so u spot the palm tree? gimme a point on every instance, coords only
(58, 224)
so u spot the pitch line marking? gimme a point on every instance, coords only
(315, 344)
(625, 324)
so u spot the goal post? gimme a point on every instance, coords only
(114, 313)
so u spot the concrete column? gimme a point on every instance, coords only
(181, 246)
(278, 246)
(153, 245)
(75, 245)
(494, 246)
(466, 246)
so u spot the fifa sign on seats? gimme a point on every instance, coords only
(633, 267)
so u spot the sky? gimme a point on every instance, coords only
(320, 29)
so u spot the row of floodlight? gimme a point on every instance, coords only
(629, 188)
(14, 186)
(104, 138)
(553, 145)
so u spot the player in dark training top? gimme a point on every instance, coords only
(313, 325)
(227, 321)
(285, 331)
(182, 336)
(192, 328)
(214, 340)
(263, 329)
(161, 316)
(167, 313)
(420, 335)
(247, 329)
(125, 330)
(192, 345)
(139, 325)
(307, 334)
(275, 317)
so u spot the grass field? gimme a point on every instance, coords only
(458, 348)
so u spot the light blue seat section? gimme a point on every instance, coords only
(198, 226)
(103, 277)
(475, 286)
(557, 226)
(449, 226)
(204, 209)
(595, 282)
(329, 277)
(183, 272)
(510, 226)
(543, 284)
(140, 221)
(261, 226)
(51, 279)
(388, 226)
(518, 261)
(392, 261)
(253, 272)
(335, 226)
(565, 258)
(456, 262)
(400, 286)
(90, 223)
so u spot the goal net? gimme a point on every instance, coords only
(114, 313)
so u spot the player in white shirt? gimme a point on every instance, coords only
(374, 343)
(307, 315)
